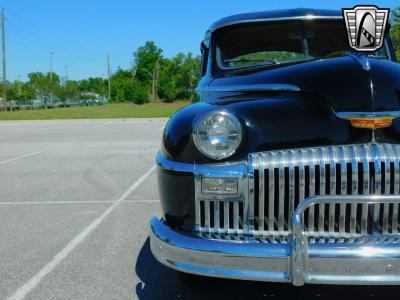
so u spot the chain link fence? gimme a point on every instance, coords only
(42, 103)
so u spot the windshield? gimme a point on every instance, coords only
(282, 42)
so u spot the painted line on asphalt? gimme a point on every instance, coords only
(52, 202)
(20, 123)
(25, 289)
(72, 202)
(20, 157)
(142, 201)
(98, 126)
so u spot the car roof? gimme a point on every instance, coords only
(272, 15)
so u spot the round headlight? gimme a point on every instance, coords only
(218, 135)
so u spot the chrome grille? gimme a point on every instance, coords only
(283, 179)
(357, 220)
(278, 181)
(219, 217)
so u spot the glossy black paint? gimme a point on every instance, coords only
(292, 120)
(176, 191)
(283, 120)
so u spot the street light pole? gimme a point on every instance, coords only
(109, 76)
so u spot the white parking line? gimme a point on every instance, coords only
(52, 202)
(142, 201)
(72, 202)
(20, 157)
(97, 126)
(24, 290)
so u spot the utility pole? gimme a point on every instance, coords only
(3, 42)
(51, 78)
(109, 76)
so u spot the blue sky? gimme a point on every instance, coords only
(82, 32)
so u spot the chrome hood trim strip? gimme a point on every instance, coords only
(273, 87)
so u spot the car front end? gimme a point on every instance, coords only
(284, 172)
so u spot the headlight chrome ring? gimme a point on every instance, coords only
(217, 134)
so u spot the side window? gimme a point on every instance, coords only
(205, 50)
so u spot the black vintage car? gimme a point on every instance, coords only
(288, 169)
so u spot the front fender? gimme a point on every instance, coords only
(269, 121)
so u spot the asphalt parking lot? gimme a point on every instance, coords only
(76, 200)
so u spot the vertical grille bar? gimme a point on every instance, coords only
(291, 187)
(301, 176)
(366, 191)
(396, 189)
(226, 216)
(302, 183)
(236, 216)
(377, 190)
(343, 190)
(354, 189)
(281, 219)
(321, 217)
(207, 215)
(332, 207)
(250, 208)
(311, 210)
(261, 195)
(271, 197)
(385, 221)
(216, 216)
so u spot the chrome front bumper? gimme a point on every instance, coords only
(376, 260)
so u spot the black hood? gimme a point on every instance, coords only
(298, 118)
(347, 83)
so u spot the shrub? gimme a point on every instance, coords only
(135, 92)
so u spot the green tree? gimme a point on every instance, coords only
(145, 60)
(23, 91)
(126, 88)
(395, 32)
(178, 77)
(38, 82)
(135, 92)
(43, 84)
(188, 76)
(93, 84)
(171, 78)
(67, 91)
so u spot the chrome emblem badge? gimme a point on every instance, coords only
(366, 27)
(372, 121)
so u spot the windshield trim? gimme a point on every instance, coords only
(222, 67)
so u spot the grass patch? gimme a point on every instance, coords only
(108, 111)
